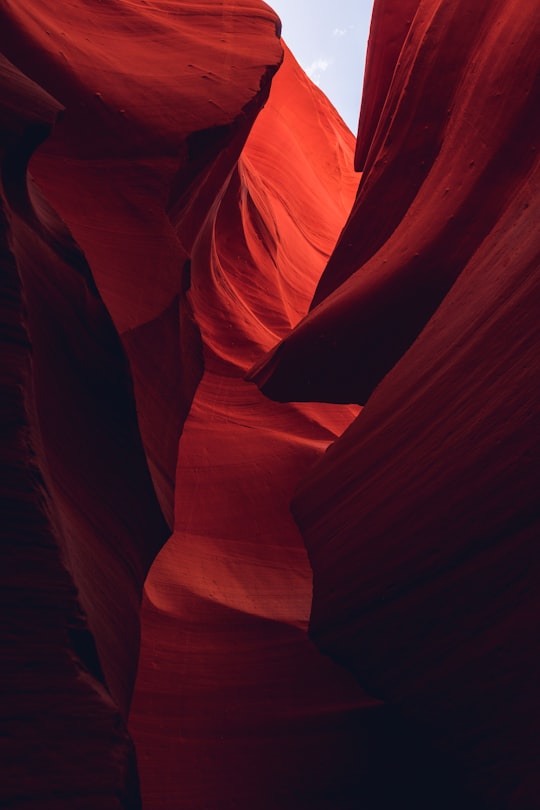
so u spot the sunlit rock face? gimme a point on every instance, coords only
(338, 607)
(446, 149)
(234, 705)
(158, 101)
(114, 356)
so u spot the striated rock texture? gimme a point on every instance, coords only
(180, 217)
(422, 520)
(453, 144)
(156, 114)
(80, 523)
(234, 706)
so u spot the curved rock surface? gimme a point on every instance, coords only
(229, 686)
(453, 144)
(75, 546)
(109, 167)
(422, 520)
(155, 117)
(178, 206)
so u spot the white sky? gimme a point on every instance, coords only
(328, 38)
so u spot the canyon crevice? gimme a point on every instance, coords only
(270, 411)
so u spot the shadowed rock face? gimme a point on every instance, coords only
(453, 146)
(178, 212)
(421, 521)
(229, 682)
(75, 547)
(79, 79)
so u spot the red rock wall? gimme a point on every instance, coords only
(120, 135)
(156, 115)
(234, 706)
(452, 145)
(75, 547)
(178, 206)
(421, 521)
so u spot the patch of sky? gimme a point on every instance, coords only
(329, 38)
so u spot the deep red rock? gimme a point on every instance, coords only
(108, 168)
(421, 524)
(170, 230)
(156, 140)
(453, 145)
(234, 706)
(421, 521)
(75, 548)
(390, 24)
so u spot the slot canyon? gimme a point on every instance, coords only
(270, 419)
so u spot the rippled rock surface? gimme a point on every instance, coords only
(228, 596)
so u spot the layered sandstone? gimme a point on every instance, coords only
(180, 217)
